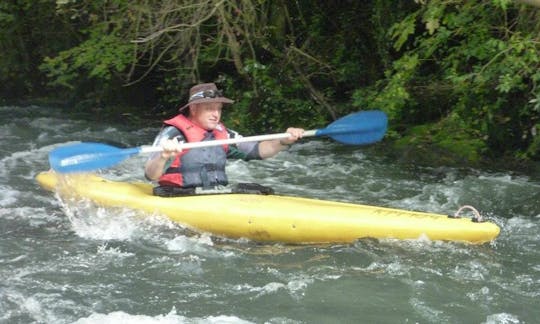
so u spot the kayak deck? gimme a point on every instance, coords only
(273, 218)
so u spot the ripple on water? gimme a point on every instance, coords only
(78, 262)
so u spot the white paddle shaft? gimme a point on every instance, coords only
(257, 138)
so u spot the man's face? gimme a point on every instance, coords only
(207, 115)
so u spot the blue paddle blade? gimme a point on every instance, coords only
(84, 157)
(360, 128)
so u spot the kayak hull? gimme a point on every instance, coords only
(272, 218)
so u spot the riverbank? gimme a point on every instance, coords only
(435, 145)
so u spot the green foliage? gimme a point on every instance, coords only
(272, 105)
(100, 58)
(533, 151)
(447, 141)
(401, 31)
(472, 67)
(393, 96)
(484, 55)
(28, 31)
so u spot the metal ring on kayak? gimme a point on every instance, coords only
(477, 217)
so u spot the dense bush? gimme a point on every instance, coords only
(458, 74)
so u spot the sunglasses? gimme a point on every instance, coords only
(206, 94)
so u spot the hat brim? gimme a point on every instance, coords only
(206, 100)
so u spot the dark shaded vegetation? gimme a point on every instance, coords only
(456, 78)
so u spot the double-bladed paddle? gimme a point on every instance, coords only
(360, 128)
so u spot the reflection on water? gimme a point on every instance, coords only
(64, 261)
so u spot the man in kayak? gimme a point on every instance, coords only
(181, 171)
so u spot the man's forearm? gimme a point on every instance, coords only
(268, 149)
(153, 168)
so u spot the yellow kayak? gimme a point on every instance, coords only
(273, 218)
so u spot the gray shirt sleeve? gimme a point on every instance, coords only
(245, 151)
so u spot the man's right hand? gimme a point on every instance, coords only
(170, 147)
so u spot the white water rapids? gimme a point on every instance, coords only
(65, 261)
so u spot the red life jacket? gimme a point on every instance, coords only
(197, 167)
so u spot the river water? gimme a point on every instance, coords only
(73, 262)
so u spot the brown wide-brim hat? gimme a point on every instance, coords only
(205, 92)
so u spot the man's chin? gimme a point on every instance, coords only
(211, 126)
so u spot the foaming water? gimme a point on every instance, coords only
(170, 318)
(91, 222)
(66, 260)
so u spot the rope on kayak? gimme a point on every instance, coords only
(477, 217)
